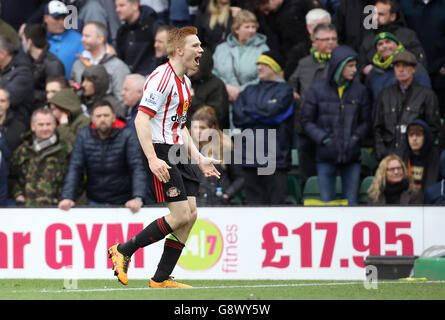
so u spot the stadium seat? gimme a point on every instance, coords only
(363, 192)
(312, 188)
(294, 170)
(295, 161)
(238, 199)
(293, 194)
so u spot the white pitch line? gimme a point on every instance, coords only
(225, 287)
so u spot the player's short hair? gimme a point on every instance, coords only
(244, 16)
(176, 38)
(37, 34)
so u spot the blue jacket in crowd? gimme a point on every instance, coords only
(113, 166)
(345, 121)
(65, 46)
(267, 105)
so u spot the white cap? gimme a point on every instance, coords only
(56, 8)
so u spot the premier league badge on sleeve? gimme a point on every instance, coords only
(153, 98)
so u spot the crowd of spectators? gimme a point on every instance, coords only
(280, 82)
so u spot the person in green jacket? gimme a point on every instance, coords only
(38, 166)
(67, 109)
(235, 59)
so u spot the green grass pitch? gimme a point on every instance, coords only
(40, 289)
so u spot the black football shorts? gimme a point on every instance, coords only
(184, 178)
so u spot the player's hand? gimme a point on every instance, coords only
(160, 169)
(207, 166)
(66, 204)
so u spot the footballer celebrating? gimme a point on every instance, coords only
(160, 126)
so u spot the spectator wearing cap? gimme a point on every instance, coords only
(262, 110)
(389, 19)
(64, 43)
(44, 63)
(335, 116)
(67, 110)
(401, 103)
(382, 73)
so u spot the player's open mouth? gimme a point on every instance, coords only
(197, 60)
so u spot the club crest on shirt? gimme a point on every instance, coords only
(173, 192)
(185, 106)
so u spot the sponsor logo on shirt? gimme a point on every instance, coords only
(179, 119)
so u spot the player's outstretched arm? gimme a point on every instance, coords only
(205, 164)
(158, 166)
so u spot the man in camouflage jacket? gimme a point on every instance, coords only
(38, 166)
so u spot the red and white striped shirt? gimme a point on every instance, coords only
(167, 99)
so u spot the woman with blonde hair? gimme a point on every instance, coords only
(213, 143)
(235, 59)
(214, 23)
(393, 184)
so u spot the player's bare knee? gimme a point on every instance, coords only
(193, 215)
(183, 218)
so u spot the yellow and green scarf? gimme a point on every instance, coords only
(320, 57)
(378, 60)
